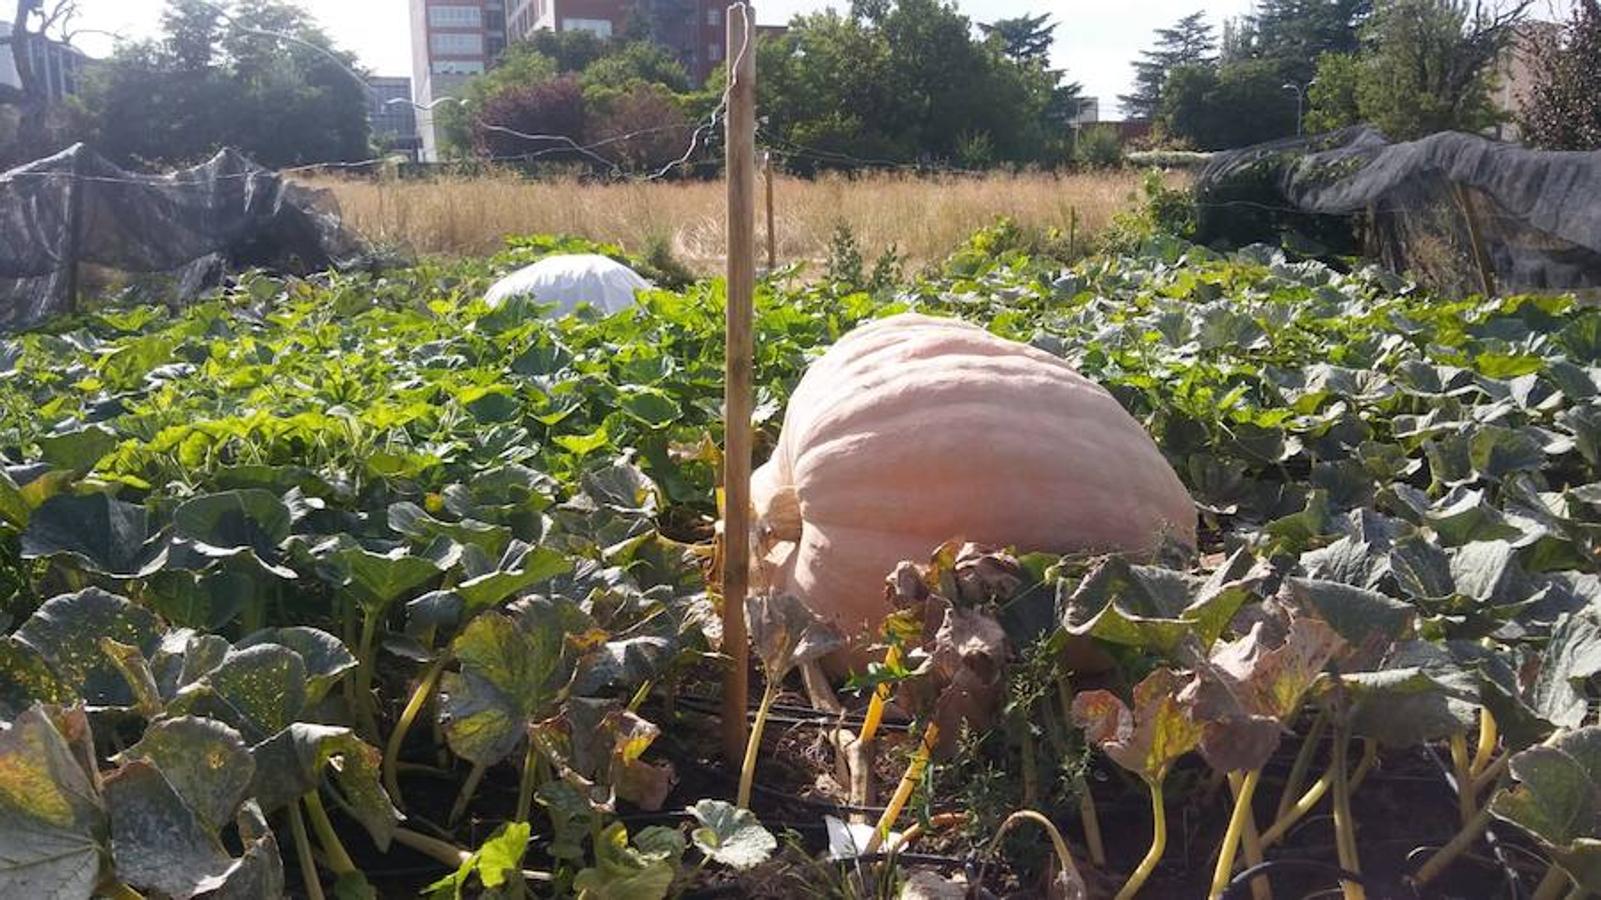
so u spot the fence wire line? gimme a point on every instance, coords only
(697, 134)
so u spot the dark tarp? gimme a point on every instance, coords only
(190, 225)
(1445, 208)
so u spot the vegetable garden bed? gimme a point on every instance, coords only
(353, 587)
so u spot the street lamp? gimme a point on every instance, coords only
(1300, 103)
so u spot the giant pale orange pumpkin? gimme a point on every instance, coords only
(912, 431)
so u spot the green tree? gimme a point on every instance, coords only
(1025, 39)
(1296, 33)
(1331, 100)
(1563, 110)
(1202, 105)
(1189, 42)
(904, 81)
(210, 81)
(1432, 66)
(639, 61)
(571, 51)
(522, 66)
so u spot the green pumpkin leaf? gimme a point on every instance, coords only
(730, 835)
(78, 451)
(26, 678)
(290, 764)
(95, 531)
(53, 828)
(512, 673)
(1557, 799)
(159, 843)
(205, 761)
(233, 522)
(259, 690)
(67, 632)
(325, 656)
(643, 871)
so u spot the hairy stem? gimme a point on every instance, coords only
(875, 707)
(1251, 841)
(903, 791)
(308, 864)
(366, 716)
(753, 745)
(1344, 826)
(526, 785)
(1064, 858)
(1231, 838)
(449, 854)
(468, 788)
(339, 862)
(1158, 844)
(408, 716)
(1489, 736)
(1031, 775)
(1454, 848)
(1089, 817)
(1303, 763)
(1463, 766)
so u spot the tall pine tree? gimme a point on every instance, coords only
(1189, 42)
(1294, 33)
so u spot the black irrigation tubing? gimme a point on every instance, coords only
(1240, 884)
(786, 714)
(1514, 880)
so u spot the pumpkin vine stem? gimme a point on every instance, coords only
(1158, 842)
(753, 744)
(408, 717)
(308, 863)
(1236, 830)
(339, 861)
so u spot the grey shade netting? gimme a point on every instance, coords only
(189, 226)
(1445, 208)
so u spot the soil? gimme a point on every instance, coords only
(1404, 810)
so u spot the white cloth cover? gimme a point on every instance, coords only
(568, 280)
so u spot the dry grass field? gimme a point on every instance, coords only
(924, 218)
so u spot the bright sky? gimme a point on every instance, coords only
(1096, 43)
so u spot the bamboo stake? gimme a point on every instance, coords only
(738, 372)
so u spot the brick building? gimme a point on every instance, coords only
(454, 40)
(693, 29)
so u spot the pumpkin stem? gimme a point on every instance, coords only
(782, 518)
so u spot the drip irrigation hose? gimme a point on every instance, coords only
(1239, 886)
(1514, 881)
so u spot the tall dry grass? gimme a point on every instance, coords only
(924, 218)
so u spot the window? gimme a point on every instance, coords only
(449, 44)
(714, 52)
(714, 17)
(457, 67)
(456, 16)
(599, 27)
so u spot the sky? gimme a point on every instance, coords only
(1096, 44)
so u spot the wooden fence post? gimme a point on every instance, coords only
(738, 372)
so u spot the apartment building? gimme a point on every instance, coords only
(693, 29)
(392, 116)
(452, 41)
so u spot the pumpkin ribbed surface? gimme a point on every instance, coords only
(913, 430)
